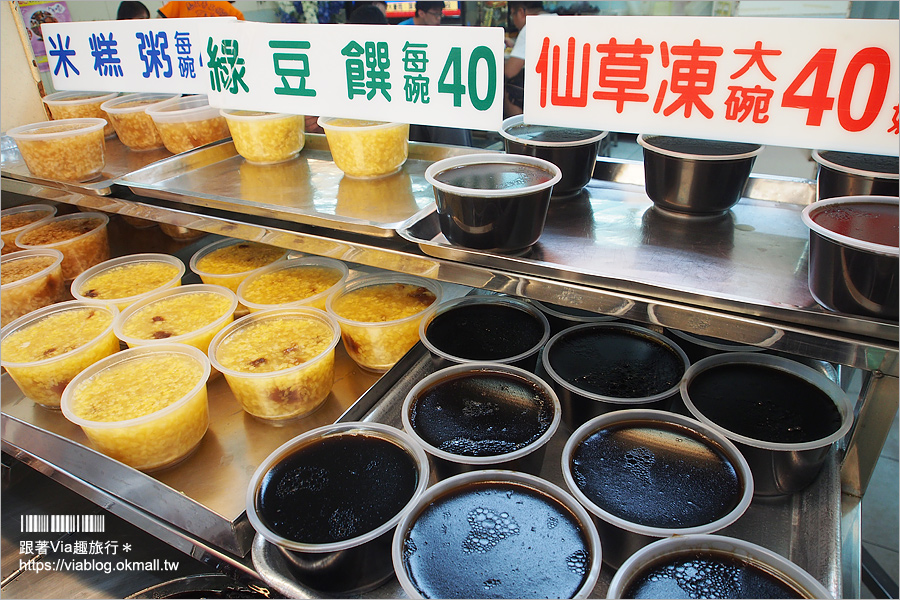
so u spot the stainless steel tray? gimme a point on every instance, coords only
(120, 160)
(751, 261)
(309, 189)
(804, 527)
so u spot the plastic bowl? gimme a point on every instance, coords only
(228, 262)
(80, 105)
(852, 174)
(352, 555)
(782, 415)
(366, 148)
(379, 316)
(497, 534)
(482, 416)
(265, 138)
(188, 122)
(562, 317)
(596, 368)
(46, 348)
(145, 407)
(492, 201)
(574, 151)
(728, 567)
(293, 282)
(81, 237)
(188, 314)
(31, 279)
(125, 280)
(65, 150)
(13, 221)
(485, 329)
(133, 125)
(279, 363)
(649, 474)
(693, 176)
(854, 255)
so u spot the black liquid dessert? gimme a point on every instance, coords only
(700, 147)
(764, 404)
(496, 539)
(337, 488)
(872, 222)
(707, 574)
(494, 176)
(484, 331)
(656, 474)
(616, 362)
(481, 413)
(546, 133)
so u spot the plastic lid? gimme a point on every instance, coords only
(698, 149)
(73, 98)
(808, 217)
(588, 136)
(440, 166)
(56, 129)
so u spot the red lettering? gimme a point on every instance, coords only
(623, 70)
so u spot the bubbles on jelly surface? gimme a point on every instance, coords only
(487, 529)
(409, 548)
(468, 447)
(577, 562)
(476, 408)
(310, 479)
(491, 583)
(639, 461)
(343, 523)
(552, 522)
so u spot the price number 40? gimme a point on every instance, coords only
(452, 82)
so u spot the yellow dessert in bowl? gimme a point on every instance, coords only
(366, 148)
(293, 282)
(80, 105)
(14, 220)
(188, 314)
(81, 237)
(279, 363)
(133, 125)
(263, 137)
(45, 349)
(146, 407)
(65, 150)
(229, 262)
(125, 280)
(380, 314)
(188, 122)
(29, 280)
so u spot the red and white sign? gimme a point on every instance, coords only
(813, 83)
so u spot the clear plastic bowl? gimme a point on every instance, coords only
(265, 138)
(134, 126)
(13, 221)
(125, 280)
(43, 379)
(35, 281)
(66, 150)
(188, 122)
(292, 282)
(366, 148)
(183, 310)
(158, 413)
(79, 105)
(376, 345)
(81, 237)
(236, 264)
(281, 392)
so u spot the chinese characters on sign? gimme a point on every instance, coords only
(819, 83)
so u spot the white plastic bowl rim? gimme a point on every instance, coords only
(487, 158)
(738, 461)
(480, 368)
(194, 288)
(817, 156)
(127, 260)
(292, 263)
(643, 140)
(594, 318)
(46, 311)
(385, 279)
(275, 313)
(838, 396)
(123, 356)
(337, 429)
(720, 345)
(77, 215)
(210, 248)
(73, 97)
(254, 116)
(22, 254)
(182, 108)
(328, 122)
(112, 106)
(489, 300)
(551, 372)
(28, 132)
(518, 119)
(844, 240)
(499, 476)
(752, 553)
(45, 208)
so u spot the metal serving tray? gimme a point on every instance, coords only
(309, 189)
(120, 160)
(751, 260)
(804, 527)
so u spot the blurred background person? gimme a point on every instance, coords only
(427, 13)
(514, 67)
(132, 10)
(199, 8)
